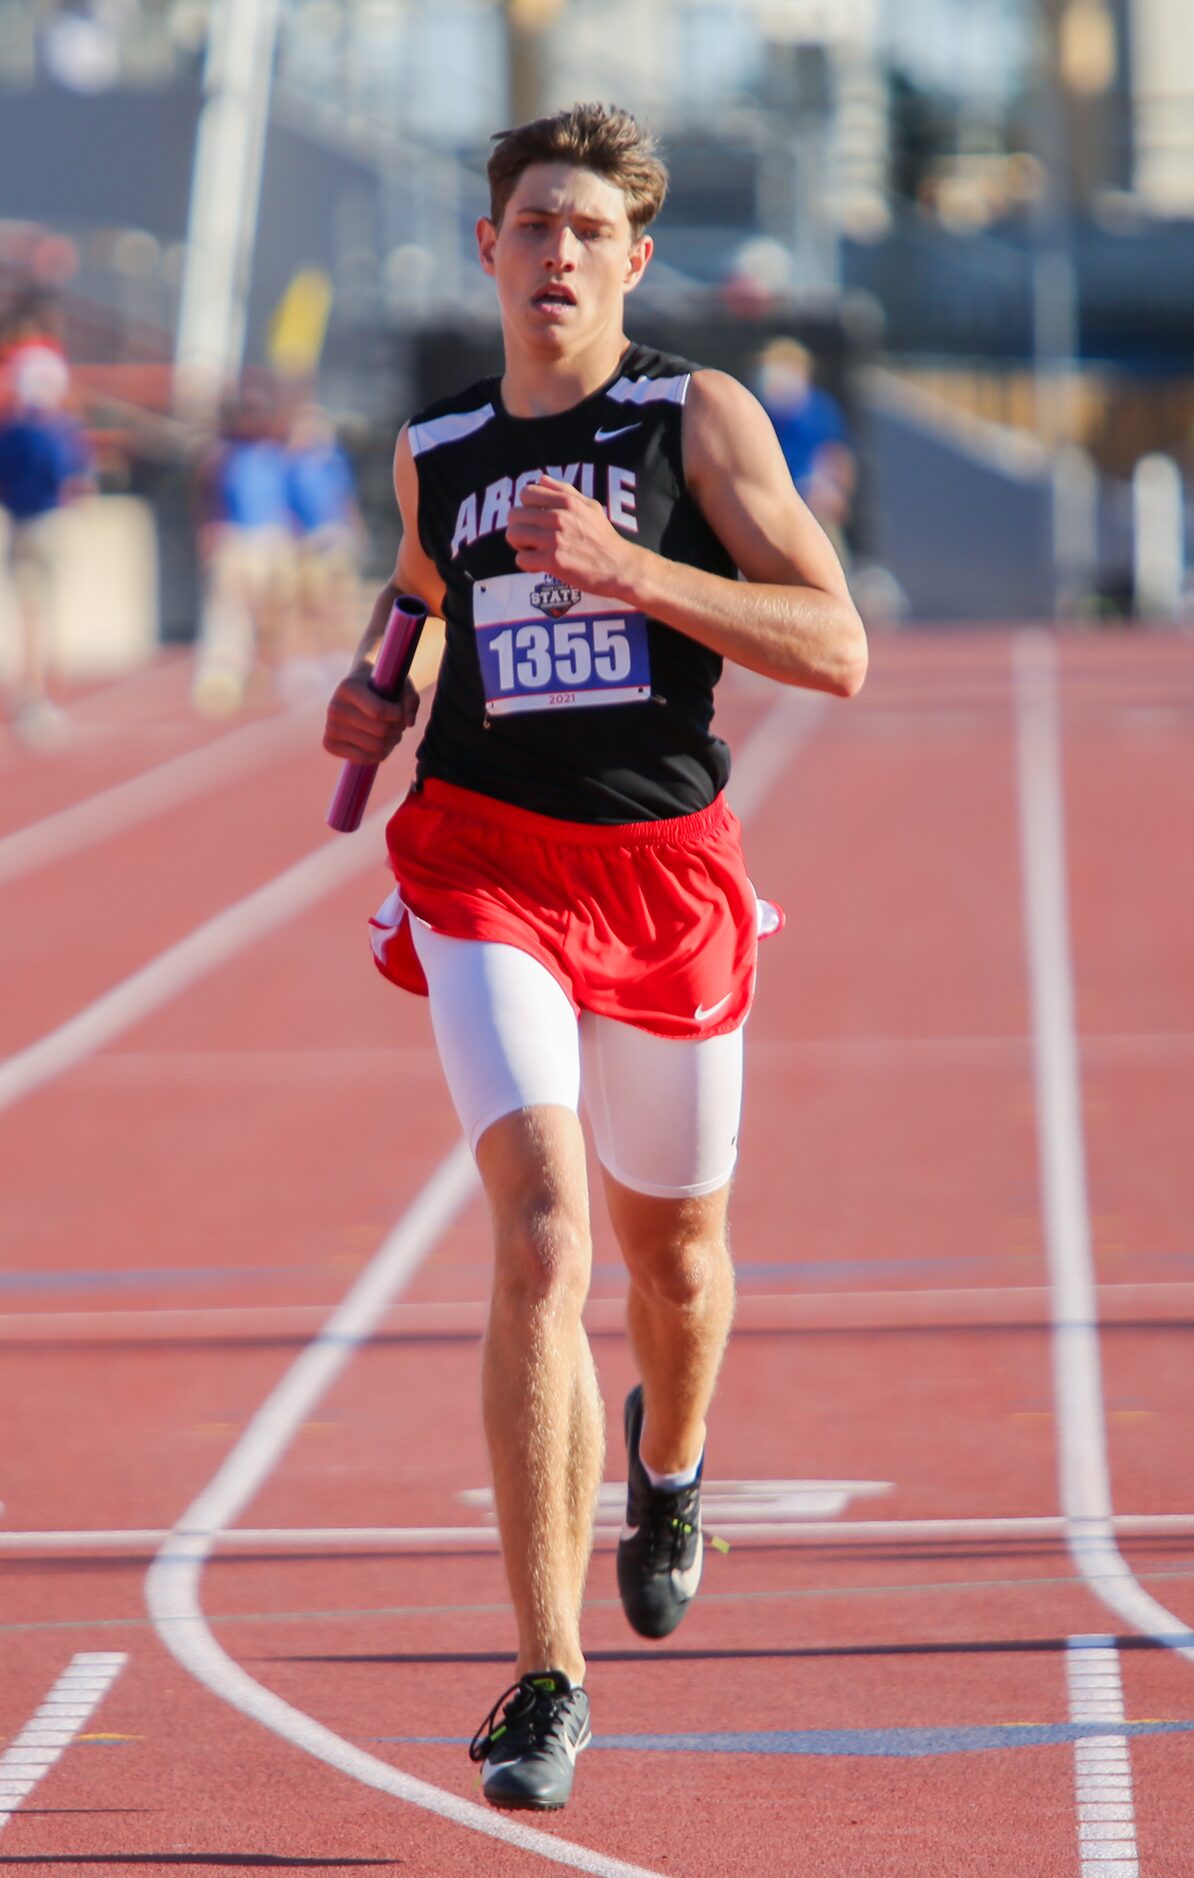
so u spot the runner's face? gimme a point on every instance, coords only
(563, 258)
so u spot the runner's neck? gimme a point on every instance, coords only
(535, 387)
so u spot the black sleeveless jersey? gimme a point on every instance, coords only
(563, 702)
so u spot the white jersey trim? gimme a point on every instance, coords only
(650, 390)
(450, 429)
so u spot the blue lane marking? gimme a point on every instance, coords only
(867, 1743)
(151, 1275)
(808, 1271)
(891, 1743)
(820, 1269)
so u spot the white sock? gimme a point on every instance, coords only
(671, 1483)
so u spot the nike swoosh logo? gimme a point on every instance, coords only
(607, 436)
(704, 1013)
(571, 1748)
(685, 1583)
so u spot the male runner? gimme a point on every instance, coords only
(571, 890)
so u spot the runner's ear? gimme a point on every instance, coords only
(636, 262)
(486, 237)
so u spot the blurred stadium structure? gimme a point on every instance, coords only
(979, 214)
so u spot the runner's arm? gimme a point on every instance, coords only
(362, 726)
(790, 616)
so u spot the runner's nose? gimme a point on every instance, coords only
(563, 250)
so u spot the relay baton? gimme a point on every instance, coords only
(394, 658)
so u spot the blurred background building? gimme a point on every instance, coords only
(978, 215)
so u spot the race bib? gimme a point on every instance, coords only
(546, 646)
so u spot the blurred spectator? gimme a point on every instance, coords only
(246, 551)
(34, 374)
(328, 536)
(44, 463)
(812, 434)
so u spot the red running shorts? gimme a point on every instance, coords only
(650, 923)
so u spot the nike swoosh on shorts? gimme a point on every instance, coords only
(704, 1014)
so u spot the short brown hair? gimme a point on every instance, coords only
(595, 137)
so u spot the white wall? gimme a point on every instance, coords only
(104, 617)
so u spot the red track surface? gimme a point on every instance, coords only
(184, 1206)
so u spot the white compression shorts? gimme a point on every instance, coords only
(664, 1113)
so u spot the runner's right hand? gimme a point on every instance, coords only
(363, 727)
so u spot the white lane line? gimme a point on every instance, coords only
(180, 965)
(75, 1696)
(771, 746)
(961, 1306)
(996, 1052)
(152, 792)
(484, 1538)
(1102, 1762)
(1084, 1480)
(172, 1583)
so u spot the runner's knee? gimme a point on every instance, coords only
(682, 1271)
(542, 1259)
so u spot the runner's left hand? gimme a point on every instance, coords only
(557, 530)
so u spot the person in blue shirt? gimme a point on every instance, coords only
(812, 434)
(247, 554)
(319, 480)
(327, 531)
(45, 463)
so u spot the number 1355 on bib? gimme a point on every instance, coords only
(546, 646)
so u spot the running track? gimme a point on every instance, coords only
(252, 1605)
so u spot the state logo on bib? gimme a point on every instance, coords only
(554, 597)
(544, 645)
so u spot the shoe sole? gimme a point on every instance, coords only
(526, 1806)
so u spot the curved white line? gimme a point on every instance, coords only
(1085, 1486)
(172, 1584)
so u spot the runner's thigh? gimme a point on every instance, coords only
(505, 1029)
(665, 1113)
